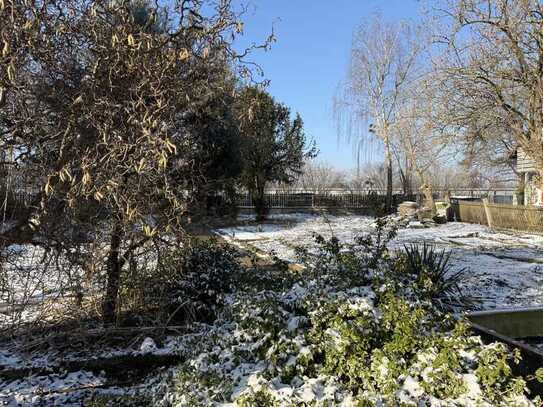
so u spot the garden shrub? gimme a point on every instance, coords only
(199, 276)
(349, 264)
(348, 334)
(431, 276)
(339, 347)
(186, 283)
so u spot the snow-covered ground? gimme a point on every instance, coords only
(70, 388)
(505, 269)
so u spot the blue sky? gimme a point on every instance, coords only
(311, 55)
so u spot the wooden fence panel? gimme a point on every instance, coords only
(470, 212)
(514, 217)
(523, 218)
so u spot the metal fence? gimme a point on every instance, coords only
(17, 190)
(323, 200)
(364, 198)
(309, 200)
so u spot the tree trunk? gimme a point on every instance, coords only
(408, 181)
(404, 176)
(403, 179)
(259, 201)
(114, 266)
(198, 205)
(521, 188)
(388, 200)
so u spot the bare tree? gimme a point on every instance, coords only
(318, 177)
(404, 169)
(369, 176)
(418, 135)
(493, 157)
(493, 75)
(384, 61)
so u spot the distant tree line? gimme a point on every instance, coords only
(321, 177)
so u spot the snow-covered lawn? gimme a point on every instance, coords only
(505, 268)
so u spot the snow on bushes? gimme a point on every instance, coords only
(344, 334)
(350, 328)
(340, 348)
(184, 284)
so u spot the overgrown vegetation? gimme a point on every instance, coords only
(129, 119)
(186, 284)
(350, 329)
(356, 325)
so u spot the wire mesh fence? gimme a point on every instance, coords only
(17, 190)
(305, 200)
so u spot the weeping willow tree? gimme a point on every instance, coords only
(420, 138)
(384, 60)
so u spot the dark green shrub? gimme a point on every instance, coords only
(197, 277)
(186, 284)
(432, 277)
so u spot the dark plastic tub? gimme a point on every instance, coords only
(510, 326)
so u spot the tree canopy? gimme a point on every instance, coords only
(274, 146)
(96, 101)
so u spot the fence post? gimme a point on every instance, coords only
(487, 212)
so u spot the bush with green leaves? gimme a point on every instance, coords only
(344, 334)
(350, 264)
(310, 346)
(188, 283)
(420, 273)
(199, 276)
